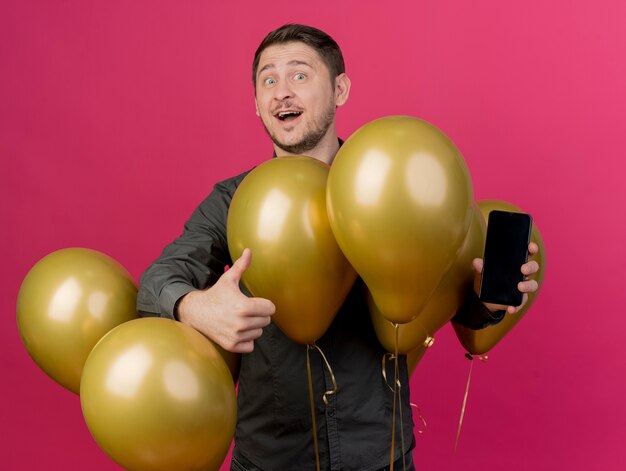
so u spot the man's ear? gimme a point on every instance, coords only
(256, 107)
(342, 89)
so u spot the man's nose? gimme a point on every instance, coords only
(283, 90)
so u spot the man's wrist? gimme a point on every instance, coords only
(475, 315)
(171, 296)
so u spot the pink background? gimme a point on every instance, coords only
(117, 117)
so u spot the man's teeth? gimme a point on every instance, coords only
(285, 114)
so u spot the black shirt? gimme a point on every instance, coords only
(274, 428)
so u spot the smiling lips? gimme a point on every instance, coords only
(287, 112)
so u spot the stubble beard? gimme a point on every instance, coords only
(311, 138)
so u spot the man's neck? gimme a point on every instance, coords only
(324, 151)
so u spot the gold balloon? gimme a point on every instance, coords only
(279, 212)
(66, 303)
(443, 304)
(400, 205)
(478, 342)
(157, 396)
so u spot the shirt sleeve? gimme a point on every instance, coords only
(195, 260)
(475, 315)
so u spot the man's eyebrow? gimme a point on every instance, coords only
(293, 62)
(297, 62)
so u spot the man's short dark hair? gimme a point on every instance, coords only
(317, 39)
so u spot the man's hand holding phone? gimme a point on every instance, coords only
(528, 286)
(501, 280)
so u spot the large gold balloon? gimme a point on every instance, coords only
(66, 303)
(400, 205)
(157, 396)
(443, 304)
(478, 342)
(279, 212)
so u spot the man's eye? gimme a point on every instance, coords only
(299, 77)
(269, 81)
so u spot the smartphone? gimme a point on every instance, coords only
(506, 250)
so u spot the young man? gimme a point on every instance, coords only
(299, 79)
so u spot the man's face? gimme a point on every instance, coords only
(295, 96)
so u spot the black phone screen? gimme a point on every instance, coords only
(506, 250)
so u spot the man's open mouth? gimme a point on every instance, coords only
(288, 115)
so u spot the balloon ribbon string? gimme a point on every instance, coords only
(330, 372)
(428, 342)
(396, 393)
(384, 368)
(393, 417)
(470, 357)
(400, 406)
(421, 418)
(308, 370)
(329, 392)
